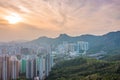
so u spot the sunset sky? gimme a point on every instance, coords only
(30, 19)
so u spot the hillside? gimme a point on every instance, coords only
(86, 69)
(107, 42)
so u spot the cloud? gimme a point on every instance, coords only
(52, 17)
(3, 22)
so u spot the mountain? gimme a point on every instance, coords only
(107, 42)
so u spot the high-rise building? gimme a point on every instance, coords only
(6, 67)
(40, 67)
(31, 67)
(35, 67)
(48, 63)
(14, 67)
(0, 67)
(82, 46)
(52, 60)
(23, 66)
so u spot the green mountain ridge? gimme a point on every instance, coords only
(107, 42)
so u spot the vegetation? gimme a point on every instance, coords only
(107, 42)
(86, 69)
(112, 56)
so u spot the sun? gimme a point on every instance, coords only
(13, 18)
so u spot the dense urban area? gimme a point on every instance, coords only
(64, 61)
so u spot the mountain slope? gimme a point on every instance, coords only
(85, 69)
(107, 42)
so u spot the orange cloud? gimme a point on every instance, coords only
(52, 17)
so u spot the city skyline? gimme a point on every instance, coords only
(28, 20)
(28, 65)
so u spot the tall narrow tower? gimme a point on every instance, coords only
(6, 68)
(40, 63)
(14, 67)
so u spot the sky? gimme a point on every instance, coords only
(35, 18)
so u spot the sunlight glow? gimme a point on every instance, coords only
(13, 18)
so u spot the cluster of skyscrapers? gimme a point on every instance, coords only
(9, 67)
(33, 61)
(28, 65)
(79, 47)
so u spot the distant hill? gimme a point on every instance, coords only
(108, 42)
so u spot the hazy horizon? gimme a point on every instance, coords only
(23, 40)
(28, 20)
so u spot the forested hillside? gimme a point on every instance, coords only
(86, 69)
